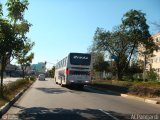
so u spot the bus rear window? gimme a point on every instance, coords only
(80, 59)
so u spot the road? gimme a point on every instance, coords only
(48, 101)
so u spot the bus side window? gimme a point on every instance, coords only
(66, 61)
(59, 64)
(63, 63)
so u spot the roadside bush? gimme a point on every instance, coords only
(152, 75)
(9, 88)
(145, 89)
(122, 83)
(27, 78)
(33, 78)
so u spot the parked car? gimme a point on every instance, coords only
(41, 77)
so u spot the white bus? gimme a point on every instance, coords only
(75, 69)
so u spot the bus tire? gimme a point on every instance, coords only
(56, 82)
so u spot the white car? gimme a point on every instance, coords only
(41, 77)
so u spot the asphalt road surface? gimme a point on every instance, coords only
(47, 101)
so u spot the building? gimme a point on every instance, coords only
(155, 60)
(151, 62)
(40, 67)
(12, 71)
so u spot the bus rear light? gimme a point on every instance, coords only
(67, 72)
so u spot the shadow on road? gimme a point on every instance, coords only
(51, 90)
(41, 113)
(91, 90)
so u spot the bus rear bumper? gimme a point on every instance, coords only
(73, 82)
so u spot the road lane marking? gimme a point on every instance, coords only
(108, 114)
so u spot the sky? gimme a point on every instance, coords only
(63, 26)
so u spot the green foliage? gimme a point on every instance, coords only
(152, 75)
(52, 72)
(6, 39)
(7, 45)
(124, 40)
(1, 13)
(22, 56)
(134, 22)
(132, 71)
(9, 88)
(99, 64)
(134, 68)
(33, 78)
(16, 9)
(145, 89)
(13, 30)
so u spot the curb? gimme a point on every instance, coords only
(151, 101)
(133, 97)
(141, 99)
(6, 107)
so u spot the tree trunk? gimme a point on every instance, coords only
(4, 63)
(119, 75)
(1, 87)
(119, 71)
(23, 74)
(126, 64)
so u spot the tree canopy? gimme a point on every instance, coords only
(13, 30)
(23, 57)
(123, 42)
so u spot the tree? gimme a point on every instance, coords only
(6, 43)
(13, 31)
(100, 64)
(23, 58)
(115, 43)
(122, 43)
(52, 72)
(152, 75)
(1, 13)
(133, 69)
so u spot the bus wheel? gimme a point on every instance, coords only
(56, 81)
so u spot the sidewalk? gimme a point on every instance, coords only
(147, 100)
(10, 79)
(153, 100)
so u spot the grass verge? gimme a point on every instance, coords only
(141, 89)
(12, 89)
